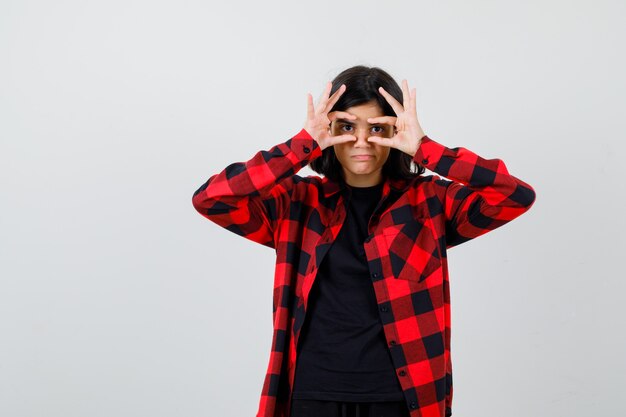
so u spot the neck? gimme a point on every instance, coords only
(363, 180)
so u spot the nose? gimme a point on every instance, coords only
(361, 139)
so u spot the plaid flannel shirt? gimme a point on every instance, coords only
(265, 201)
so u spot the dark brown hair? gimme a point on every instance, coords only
(362, 87)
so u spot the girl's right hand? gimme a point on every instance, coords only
(318, 119)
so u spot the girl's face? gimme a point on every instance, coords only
(362, 161)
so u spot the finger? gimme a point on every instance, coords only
(334, 115)
(413, 95)
(335, 140)
(389, 142)
(395, 104)
(405, 94)
(324, 98)
(390, 120)
(335, 97)
(309, 106)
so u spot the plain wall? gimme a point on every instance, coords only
(118, 299)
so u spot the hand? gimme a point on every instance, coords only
(408, 132)
(318, 119)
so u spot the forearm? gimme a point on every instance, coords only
(489, 177)
(481, 195)
(258, 175)
(248, 197)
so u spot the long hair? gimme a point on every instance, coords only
(362, 87)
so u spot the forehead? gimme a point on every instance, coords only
(366, 110)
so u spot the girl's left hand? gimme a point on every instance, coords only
(408, 132)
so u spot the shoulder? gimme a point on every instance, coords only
(427, 187)
(420, 182)
(434, 181)
(296, 186)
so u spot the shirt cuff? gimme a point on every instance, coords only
(304, 146)
(429, 153)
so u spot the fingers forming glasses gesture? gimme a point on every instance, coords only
(409, 133)
(318, 118)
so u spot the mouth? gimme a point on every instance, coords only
(362, 157)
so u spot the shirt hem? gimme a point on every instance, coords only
(345, 396)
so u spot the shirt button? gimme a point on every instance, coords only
(392, 343)
(375, 275)
(306, 149)
(413, 404)
(384, 309)
(424, 161)
(367, 239)
(402, 373)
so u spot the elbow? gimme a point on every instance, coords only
(200, 201)
(209, 206)
(531, 196)
(531, 199)
(198, 205)
(524, 195)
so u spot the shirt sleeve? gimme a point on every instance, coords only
(481, 195)
(247, 198)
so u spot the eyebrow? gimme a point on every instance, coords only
(350, 122)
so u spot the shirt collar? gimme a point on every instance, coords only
(331, 187)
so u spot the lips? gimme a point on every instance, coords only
(362, 156)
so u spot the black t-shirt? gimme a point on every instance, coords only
(342, 351)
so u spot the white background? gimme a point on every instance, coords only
(118, 299)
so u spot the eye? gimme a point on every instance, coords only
(345, 128)
(378, 130)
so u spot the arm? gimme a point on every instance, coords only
(481, 197)
(247, 198)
